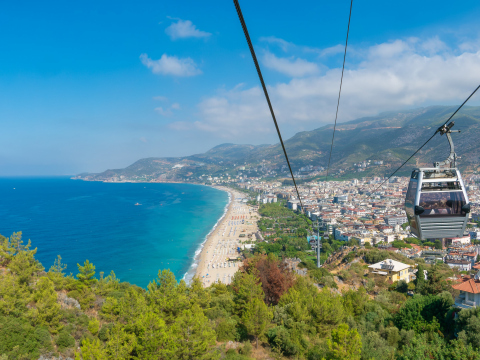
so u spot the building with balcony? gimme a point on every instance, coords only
(392, 269)
(469, 293)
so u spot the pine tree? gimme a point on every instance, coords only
(120, 344)
(155, 339)
(86, 273)
(345, 344)
(47, 311)
(256, 318)
(13, 296)
(194, 334)
(420, 279)
(92, 350)
(21, 260)
(246, 287)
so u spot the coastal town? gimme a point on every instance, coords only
(365, 212)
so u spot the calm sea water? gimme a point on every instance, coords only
(99, 221)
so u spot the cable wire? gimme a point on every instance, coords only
(425, 143)
(340, 90)
(252, 51)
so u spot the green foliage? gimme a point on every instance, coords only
(19, 339)
(344, 344)
(354, 301)
(246, 287)
(399, 244)
(65, 340)
(256, 317)
(47, 310)
(424, 313)
(14, 297)
(21, 260)
(375, 346)
(173, 320)
(94, 326)
(322, 277)
(86, 273)
(194, 335)
(92, 350)
(374, 256)
(104, 331)
(412, 240)
(226, 329)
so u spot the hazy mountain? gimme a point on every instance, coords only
(391, 137)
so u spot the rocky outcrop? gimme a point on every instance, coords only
(67, 302)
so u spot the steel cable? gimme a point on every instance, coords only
(257, 66)
(340, 90)
(425, 143)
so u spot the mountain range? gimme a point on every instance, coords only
(388, 138)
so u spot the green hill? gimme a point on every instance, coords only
(391, 137)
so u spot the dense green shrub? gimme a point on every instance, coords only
(226, 329)
(65, 340)
(19, 338)
(103, 334)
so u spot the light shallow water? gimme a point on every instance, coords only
(99, 221)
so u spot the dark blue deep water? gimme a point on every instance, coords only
(99, 221)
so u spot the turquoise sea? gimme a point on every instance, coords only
(97, 221)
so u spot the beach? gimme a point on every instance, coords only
(219, 258)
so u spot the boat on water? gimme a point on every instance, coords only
(138, 204)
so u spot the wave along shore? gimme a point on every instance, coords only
(196, 258)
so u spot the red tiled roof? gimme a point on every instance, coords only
(471, 286)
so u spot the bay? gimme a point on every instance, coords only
(100, 222)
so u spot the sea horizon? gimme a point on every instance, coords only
(99, 221)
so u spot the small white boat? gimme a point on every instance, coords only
(138, 204)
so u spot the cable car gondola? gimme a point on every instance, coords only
(436, 202)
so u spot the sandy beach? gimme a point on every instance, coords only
(218, 257)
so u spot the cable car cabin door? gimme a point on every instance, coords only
(410, 203)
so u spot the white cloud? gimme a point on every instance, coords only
(333, 50)
(167, 112)
(284, 45)
(392, 76)
(434, 45)
(184, 29)
(287, 46)
(160, 98)
(294, 67)
(171, 65)
(143, 139)
(164, 112)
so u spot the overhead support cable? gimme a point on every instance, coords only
(259, 72)
(426, 142)
(340, 90)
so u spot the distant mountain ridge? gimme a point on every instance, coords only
(390, 136)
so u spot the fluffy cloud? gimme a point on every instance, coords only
(167, 112)
(171, 65)
(294, 67)
(395, 75)
(184, 29)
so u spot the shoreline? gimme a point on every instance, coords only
(217, 259)
(205, 254)
(193, 269)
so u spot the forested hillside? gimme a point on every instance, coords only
(266, 313)
(390, 137)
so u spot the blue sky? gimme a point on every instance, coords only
(86, 86)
